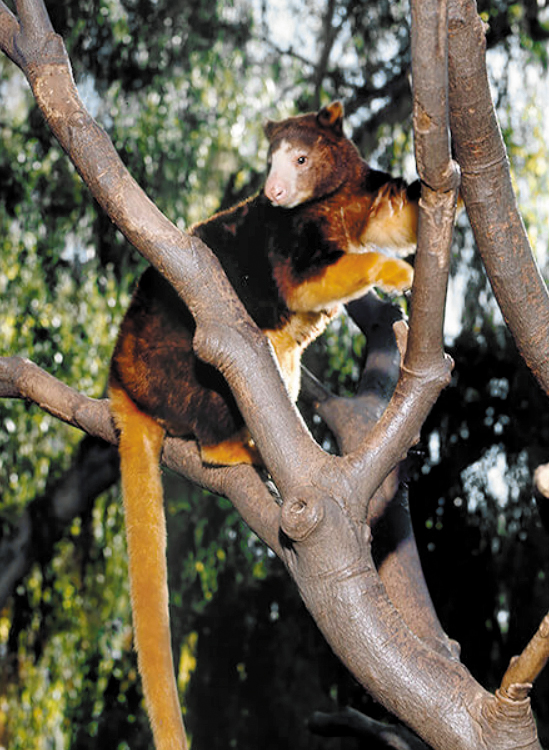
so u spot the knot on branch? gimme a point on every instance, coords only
(514, 704)
(311, 520)
(302, 513)
(506, 723)
(442, 183)
(516, 693)
(439, 372)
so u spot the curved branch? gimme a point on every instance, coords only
(20, 378)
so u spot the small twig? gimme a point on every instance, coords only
(523, 669)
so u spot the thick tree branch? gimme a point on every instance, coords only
(488, 193)
(351, 419)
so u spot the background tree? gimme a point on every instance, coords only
(58, 256)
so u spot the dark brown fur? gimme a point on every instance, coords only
(285, 265)
(291, 256)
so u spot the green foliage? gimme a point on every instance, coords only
(75, 638)
(52, 313)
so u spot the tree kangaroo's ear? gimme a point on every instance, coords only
(331, 117)
(269, 128)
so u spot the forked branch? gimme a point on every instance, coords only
(325, 541)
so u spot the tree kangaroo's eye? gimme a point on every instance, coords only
(301, 160)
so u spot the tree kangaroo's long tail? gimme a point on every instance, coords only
(140, 444)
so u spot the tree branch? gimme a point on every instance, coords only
(320, 531)
(8, 29)
(20, 378)
(328, 37)
(350, 419)
(488, 193)
(523, 669)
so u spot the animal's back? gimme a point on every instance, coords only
(154, 360)
(240, 239)
(155, 364)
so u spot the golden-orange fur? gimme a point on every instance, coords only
(238, 449)
(140, 445)
(292, 254)
(290, 340)
(343, 280)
